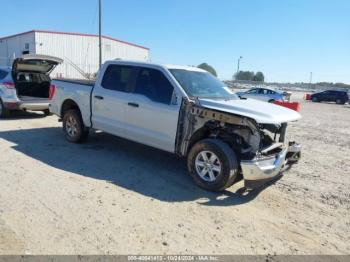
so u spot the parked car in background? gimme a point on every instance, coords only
(183, 110)
(27, 85)
(265, 94)
(339, 97)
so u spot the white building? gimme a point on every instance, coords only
(79, 51)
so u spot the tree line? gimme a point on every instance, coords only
(241, 75)
(249, 76)
(259, 77)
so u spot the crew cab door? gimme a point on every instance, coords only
(334, 95)
(152, 113)
(110, 97)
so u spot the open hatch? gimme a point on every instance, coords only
(31, 75)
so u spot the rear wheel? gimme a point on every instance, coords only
(212, 164)
(314, 99)
(339, 101)
(73, 127)
(4, 112)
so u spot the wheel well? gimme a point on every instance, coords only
(69, 105)
(200, 134)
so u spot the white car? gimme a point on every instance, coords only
(265, 94)
(27, 85)
(185, 111)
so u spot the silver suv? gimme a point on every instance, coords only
(27, 85)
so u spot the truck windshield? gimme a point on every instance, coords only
(202, 84)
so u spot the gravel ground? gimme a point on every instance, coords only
(111, 196)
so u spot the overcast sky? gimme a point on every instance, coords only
(286, 40)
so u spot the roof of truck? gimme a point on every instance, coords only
(190, 68)
(168, 66)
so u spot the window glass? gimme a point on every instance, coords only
(118, 77)
(253, 91)
(202, 84)
(24, 77)
(3, 74)
(153, 84)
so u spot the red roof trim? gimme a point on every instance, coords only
(77, 34)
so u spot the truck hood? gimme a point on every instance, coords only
(261, 112)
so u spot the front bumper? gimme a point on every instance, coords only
(260, 170)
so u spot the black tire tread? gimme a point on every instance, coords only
(227, 157)
(5, 112)
(84, 131)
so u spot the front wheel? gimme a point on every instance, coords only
(73, 127)
(212, 164)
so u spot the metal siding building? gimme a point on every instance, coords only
(77, 50)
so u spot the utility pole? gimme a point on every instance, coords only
(239, 60)
(100, 32)
(310, 80)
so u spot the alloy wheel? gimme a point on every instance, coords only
(208, 166)
(72, 126)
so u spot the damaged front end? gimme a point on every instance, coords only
(261, 149)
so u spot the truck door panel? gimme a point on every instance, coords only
(150, 117)
(109, 99)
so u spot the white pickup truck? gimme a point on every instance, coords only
(183, 110)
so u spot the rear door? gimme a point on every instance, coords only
(272, 95)
(334, 95)
(264, 94)
(110, 99)
(152, 113)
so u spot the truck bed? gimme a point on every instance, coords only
(77, 81)
(75, 90)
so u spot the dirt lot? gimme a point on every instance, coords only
(110, 196)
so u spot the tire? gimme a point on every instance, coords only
(4, 112)
(73, 127)
(224, 176)
(271, 101)
(47, 112)
(315, 99)
(339, 102)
